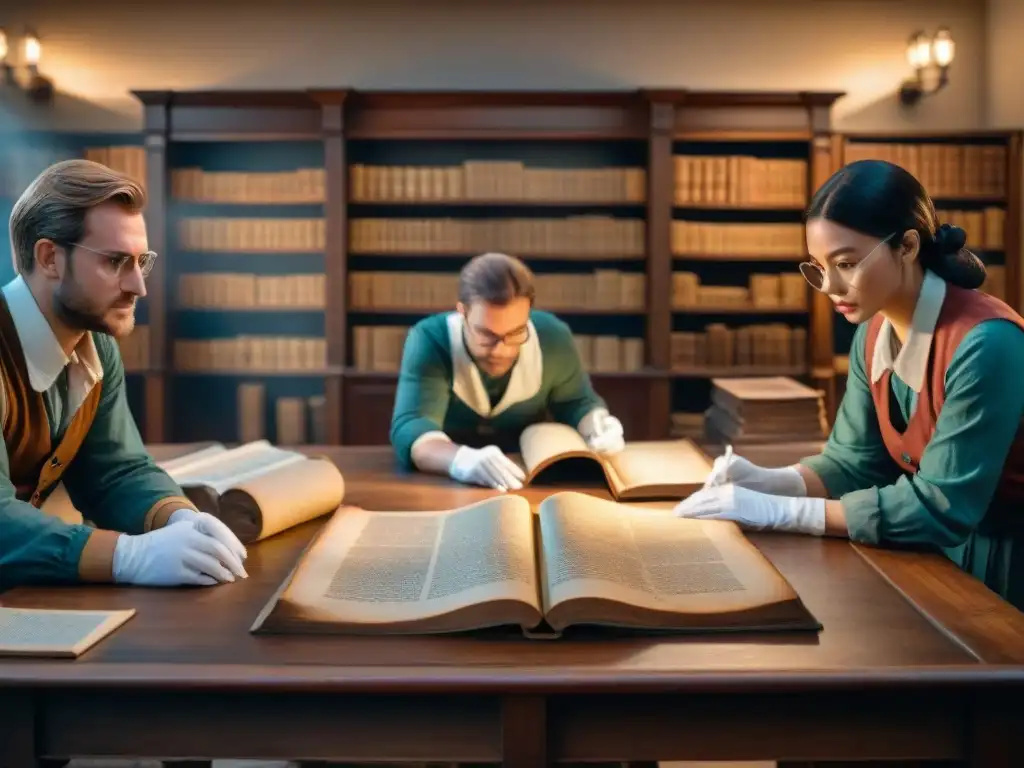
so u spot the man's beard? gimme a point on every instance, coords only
(78, 313)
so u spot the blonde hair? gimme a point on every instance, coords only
(55, 204)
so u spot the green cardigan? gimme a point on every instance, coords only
(101, 459)
(441, 389)
(944, 504)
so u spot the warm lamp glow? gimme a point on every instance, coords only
(943, 48)
(33, 50)
(919, 51)
(3, 45)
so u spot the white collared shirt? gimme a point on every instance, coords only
(45, 360)
(910, 362)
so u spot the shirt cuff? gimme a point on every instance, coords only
(828, 471)
(161, 512)
(96, 563)
(863, 516)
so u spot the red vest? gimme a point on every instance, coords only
(962, 309)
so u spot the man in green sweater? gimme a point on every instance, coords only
(473, 379)
(81, 251)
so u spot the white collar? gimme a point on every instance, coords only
(911, 362)
(44, 357)
(468, 385)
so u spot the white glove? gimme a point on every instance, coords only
(754, 510)
(213, 526)
(729, 468)
(188, 550)
(487, 466)
(602, 431)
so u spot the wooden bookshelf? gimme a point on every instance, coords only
(259, 203)
(585, 187)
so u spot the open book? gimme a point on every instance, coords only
(257, 489)
(56, 633)
(645, 470)
(577, 560)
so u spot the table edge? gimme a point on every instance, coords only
(504, 680)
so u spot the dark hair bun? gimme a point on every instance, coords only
(953, 261)
(950, 239)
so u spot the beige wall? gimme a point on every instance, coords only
(1005, 63)
(100, 50)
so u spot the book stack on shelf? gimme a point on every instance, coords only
(574, 214)
(973, 179)
(247, 290)
(763, 410)
(740, 305)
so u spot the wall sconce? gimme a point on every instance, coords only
(930, 58)
(37, 86)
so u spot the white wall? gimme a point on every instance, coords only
(100, 50)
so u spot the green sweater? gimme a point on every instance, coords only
(440, 388)
(944, 503)
(111, 480)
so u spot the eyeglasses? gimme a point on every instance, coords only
(117, 261)
(818, 278)
(514, 338)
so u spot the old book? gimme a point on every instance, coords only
(257, 489)
(644, 470)
(577, 560)
(57, 633)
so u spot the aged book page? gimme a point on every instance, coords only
(413, 572)
(642, 470)
(623, 565)
(547, 442)
(55, 633)
(657, 469)
(257, 489)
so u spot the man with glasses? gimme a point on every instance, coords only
(471, 380)
(81, 252)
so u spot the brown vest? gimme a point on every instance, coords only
(961, 311)
(36, 465)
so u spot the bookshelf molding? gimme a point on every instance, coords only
(345, 124)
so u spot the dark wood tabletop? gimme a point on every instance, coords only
(915, 660)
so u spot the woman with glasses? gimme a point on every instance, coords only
(927, 446)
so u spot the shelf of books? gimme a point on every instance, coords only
(974, 181)
(739, 304)
(307, 232)
(246, 291)
(419, 209)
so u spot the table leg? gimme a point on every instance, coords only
(524, 732)
(996, 737)
(17, 729)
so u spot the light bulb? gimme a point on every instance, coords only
(33, 49)
(919, 51)
(3, 46)
(943, 48)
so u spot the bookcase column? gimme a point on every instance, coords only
(660, 184)
(335, 257)
(156, 126)
(825, 154)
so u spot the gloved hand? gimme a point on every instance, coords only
(212, 526)
(754, 510)
(487, 466)
(602, 431)
(730, 468)
(188, 550)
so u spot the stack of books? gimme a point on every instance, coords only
(758, 410)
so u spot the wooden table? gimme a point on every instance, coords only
(916, 661)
